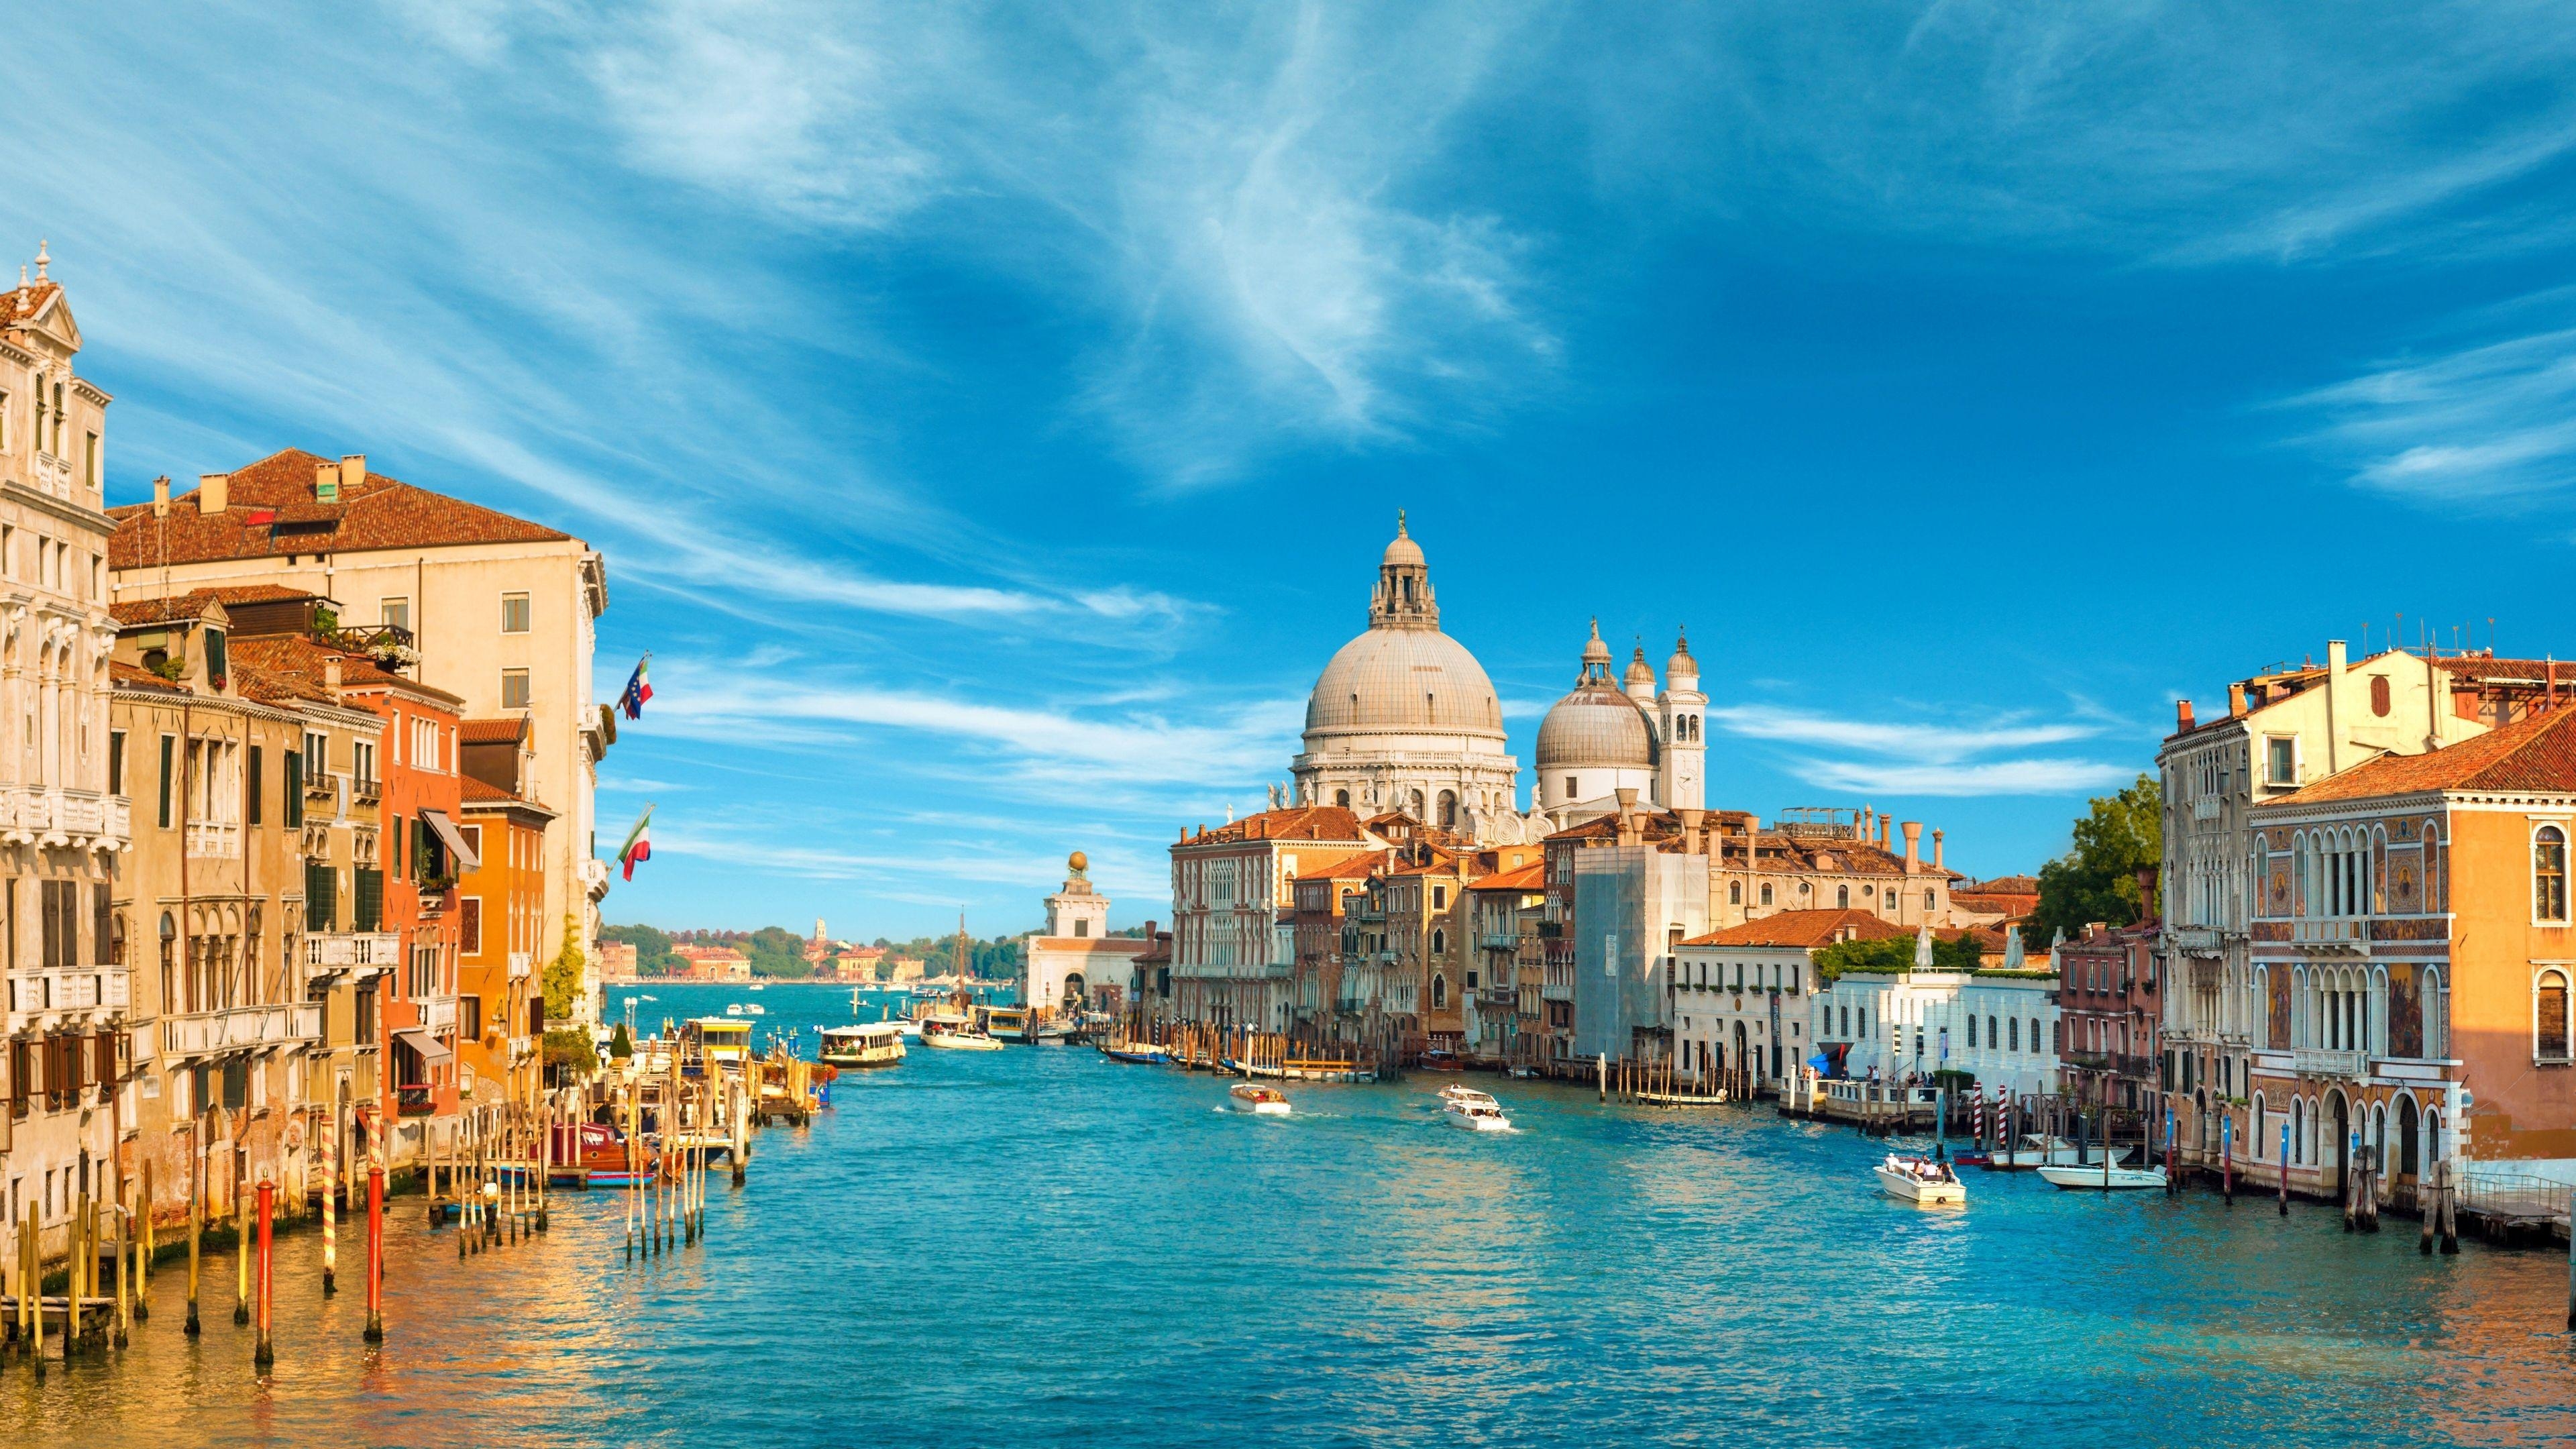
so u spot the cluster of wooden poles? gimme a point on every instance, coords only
(666, 1199)
(1208, 1046)
(1658, 1082)
(496, 1162)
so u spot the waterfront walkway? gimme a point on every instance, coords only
(1037, 1246)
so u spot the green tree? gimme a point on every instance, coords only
(2098, 879)
(563, 973)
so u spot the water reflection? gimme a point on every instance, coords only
(1038, 1246)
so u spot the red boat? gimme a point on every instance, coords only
(589, 1154)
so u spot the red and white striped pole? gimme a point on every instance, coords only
(265, 1354)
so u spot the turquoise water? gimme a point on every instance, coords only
(1037, 1246)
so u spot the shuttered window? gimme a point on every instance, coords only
(321, 907)
(167, 744)
(367, 900)
(293, 813)
(255, 802)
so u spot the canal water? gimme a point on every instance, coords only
(1038, 1246)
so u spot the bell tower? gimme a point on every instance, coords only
(1682, 711)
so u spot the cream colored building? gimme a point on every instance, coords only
(500, 611)
(60, 829)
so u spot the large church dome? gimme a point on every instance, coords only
(1400, 680)
(1403, 675)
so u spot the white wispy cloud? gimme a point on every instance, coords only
(2494, 422)
(1896, 757)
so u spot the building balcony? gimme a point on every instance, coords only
(60, 818)
(438, 1014)
(1499, 940)
(214, 840)
(367, 791)
(241, 1028)
(594, 877)
(321, 785)
(351, 953)
(414, 1100)
(2331, 935)
(45, 998)
(523, 964)
(2341, 1066)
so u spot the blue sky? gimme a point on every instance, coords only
(992, 415)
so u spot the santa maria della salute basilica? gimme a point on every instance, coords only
(1404, 719)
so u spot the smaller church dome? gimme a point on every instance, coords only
(1402, 551)
(1640, 679)
(1595, 724)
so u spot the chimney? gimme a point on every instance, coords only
(2334, 706)
(331, 672)
(1936, 851)
(1628, 815)
(2235, 700)
(2182, 717)
(1692, 821)
(326, 483)
(2148, 914)
(161, 496)
(1913, 845)
(214, 492)
(1884, 820)
(353, 469)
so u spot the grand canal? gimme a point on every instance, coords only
(1041, 1247)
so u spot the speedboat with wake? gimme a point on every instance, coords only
(1475, 1111)
(1921, 1180)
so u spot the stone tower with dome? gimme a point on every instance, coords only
(1404, 719)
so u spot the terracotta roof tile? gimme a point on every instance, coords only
(1304, 822)
(2534, 753)
(1808, 929)
(494, 731)
(1527, 878)
(380, 513)
(142, 613)
(135, 676)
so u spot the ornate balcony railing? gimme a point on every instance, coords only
(438, 1013)
(2320, 1062)
(352, 951)
(35, 991)
(413, 1100)
(210, 1033)
(214, 839)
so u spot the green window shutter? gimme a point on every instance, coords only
(368, 901)
(254, 785)
(294, 811)
(166, 744)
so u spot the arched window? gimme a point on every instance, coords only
(2432, 870)
(2298, 1130)
(2549, 1024)
(2262, 875)
(2014, 1040)
(1927, 900)
(2261, 1015)
(1439, 992)
(1992, 1041)
(2259, 1132)
(2432, 1136)
(2379, 695)
(1439, 942)
(1342, 798)
(1413, 802)
(1735, 893)
(1448, 809)
(2549, 873)
(1842, 897)
(1766, 893)
(2437, 1017)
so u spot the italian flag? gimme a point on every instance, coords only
(639, 843)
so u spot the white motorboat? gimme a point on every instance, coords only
(870, 1044)
(755, 1009)
(1473, 1110)
(733, 1008)
(954, 1032)
(2032, 1149)
(2106, 1176)
(1259, 1101)
(1922, 1181)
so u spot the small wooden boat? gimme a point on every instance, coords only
(2105, 1177)
(1142, 1052)
(1259, 1101)
(869, 1044)
(1440, 1059)
(1475, 1111)
(1922, 1181)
